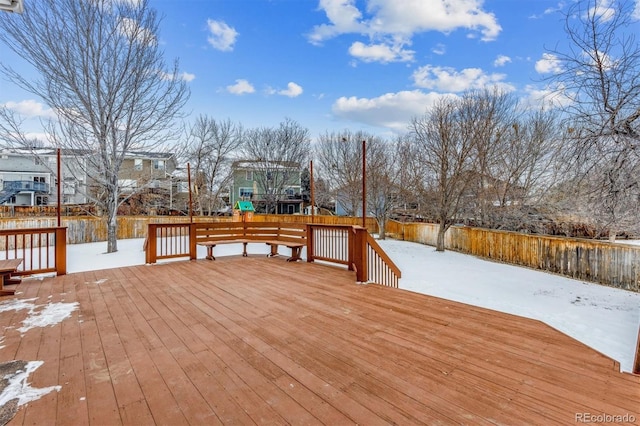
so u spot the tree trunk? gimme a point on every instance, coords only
(382, 229)
(440, 241)
(612, 235)
(112, 222)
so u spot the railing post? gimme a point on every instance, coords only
(152, 249)
(193, 247)
(310, 243)
(61, 251)
(636, 362)
(351, 246)
(360, 254)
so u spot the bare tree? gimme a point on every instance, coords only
(515, 157)
(493, 114)
(277, 155)
(340, 159)
(445, 145)
(103, 73)
(385, 168)
(210, 147)
(600, 72)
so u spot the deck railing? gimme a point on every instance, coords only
(636, 361)
(41, 249)
(380, 268)
(167, 241)
(347, 245)
(355, 247)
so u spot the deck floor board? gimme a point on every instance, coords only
(263, 341)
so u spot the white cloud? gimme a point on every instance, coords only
(439, 49)
(636, 11)
(501, 61)
(293, 90)
(241, 87)
(344, 17)
(550, 10)
(549, 64)
(131, 28)
(602, 10)
(393, 23)
(133, 3)
(185, 76)
(392, 110)
(445, 79)
(547, 97)
(380, 53)
(30, 108)
(222, 36)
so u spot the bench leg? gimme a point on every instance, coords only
(274, 250)
(244, 250)
(210, 253)
(295, 254)
(5, 291)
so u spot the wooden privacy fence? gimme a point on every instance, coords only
(351, 246)
(616, 265)
(41, 249)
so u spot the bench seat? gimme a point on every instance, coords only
(212, 243)
(8, 267)
(273, 234)
(295, 247)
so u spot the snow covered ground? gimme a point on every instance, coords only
(603, 318)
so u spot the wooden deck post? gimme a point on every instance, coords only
(360, 254)
(310, 243)
(193, 248)
(61, 250)
(636, 362)
(151, 253)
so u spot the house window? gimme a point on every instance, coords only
(158, 164)
(249, 175)
(137, 164)
(183, 187)
(246, 192)
(127, 185)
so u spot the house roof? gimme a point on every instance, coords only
(244, 206)
(150, 155)
(264, 164)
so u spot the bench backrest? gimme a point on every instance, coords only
(251, 231)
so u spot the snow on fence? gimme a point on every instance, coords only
(616, 265)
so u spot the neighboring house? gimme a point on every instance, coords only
(141, 170)
(156, 180)
(29, 178)
(274, 186)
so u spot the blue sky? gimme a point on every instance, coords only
(346, 64)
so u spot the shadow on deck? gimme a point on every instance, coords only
(257, 341)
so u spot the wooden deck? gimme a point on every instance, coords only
(262, 341)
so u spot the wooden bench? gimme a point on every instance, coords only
(8, 267)
(274, 234)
